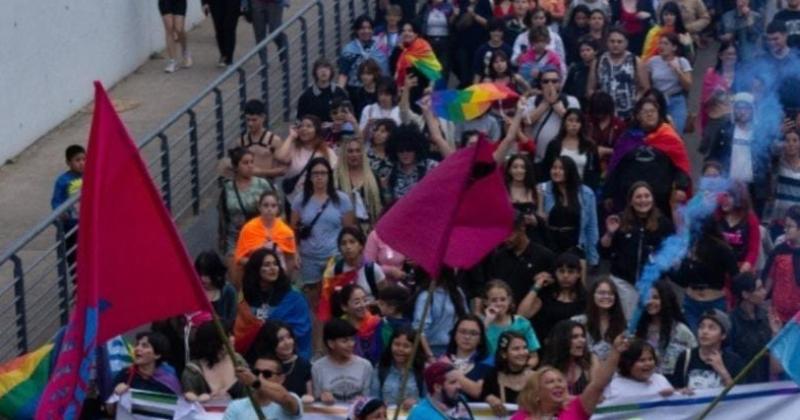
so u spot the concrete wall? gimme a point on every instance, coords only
(51, 51)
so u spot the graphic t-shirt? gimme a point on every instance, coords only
(345, 382)
(699, 374)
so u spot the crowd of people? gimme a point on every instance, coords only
(596, 164)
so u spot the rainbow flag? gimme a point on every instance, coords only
(786, 347)
(469, 103)
(650, 48)
(22, 381)
(420, 56)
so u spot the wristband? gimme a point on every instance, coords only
(535, 289)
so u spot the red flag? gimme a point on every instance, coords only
(329, 286)
(132, 265)
(455, 216)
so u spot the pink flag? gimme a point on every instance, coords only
(455, 216)
(132, 265)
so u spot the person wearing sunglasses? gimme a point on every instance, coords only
(545, 111)
(266, 378)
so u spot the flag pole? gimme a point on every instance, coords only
(226, 342)
(750, 365)
(428, 302)
(414, 348)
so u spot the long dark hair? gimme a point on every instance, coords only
(503, 343)
(710, 240)
(342, 296)
(724, 45)
(616, 322)
(569, 260)
(482, 351)
(669, 316)
(629, 357)
(208, 263)
(251, 283)
(308, 186)
(490, 71)
(206, 344)
(447, 281)
(584, 144)
(266, 341)
(572, 183)
(556, 351)
(530, 172)
(387, 359)
(673, 8)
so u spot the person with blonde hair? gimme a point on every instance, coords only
(355, 178)
(545, 393)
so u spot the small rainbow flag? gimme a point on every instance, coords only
(22, 381)
(469, 103)
(654, 35)
(420, 56)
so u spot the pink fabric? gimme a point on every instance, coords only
(378, 252)
(455, 216)
(132, 265)
(573, 411)
(712, 81)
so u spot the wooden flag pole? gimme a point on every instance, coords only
(229, 349)
(414, 349)
(750, 365)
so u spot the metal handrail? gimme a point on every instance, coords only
(204, 119)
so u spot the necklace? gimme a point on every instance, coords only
(291, 367)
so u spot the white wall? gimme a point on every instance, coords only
(51, 51)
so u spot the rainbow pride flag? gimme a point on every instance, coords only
(420, 56)
(469, 103)
(22, 381)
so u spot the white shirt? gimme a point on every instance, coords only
(577, 157)
(375, 112)
(741, 168)
(621, 386)
(547, 127)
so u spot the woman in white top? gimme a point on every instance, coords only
(636, 374)
(385, 107)
(671, 74)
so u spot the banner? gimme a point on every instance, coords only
(775, 400)
(146, 405)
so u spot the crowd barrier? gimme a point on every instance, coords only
(775, 400)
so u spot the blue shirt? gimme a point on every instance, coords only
(67, 184)
(242, 409)
(518, 324)
(441, 318)
(389, 391)
(322, 242)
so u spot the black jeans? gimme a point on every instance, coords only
(225, 14)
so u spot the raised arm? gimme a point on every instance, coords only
(513, 131)
(602, 375)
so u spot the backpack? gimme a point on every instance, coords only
(369, 273)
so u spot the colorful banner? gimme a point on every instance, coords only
(776, 400)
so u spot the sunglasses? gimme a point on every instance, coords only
(550, 81)
(265, 373)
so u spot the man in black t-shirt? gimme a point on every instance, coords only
(519, 260)
(791, 16)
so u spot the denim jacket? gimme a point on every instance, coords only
(588, 228)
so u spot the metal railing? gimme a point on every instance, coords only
(182, 155)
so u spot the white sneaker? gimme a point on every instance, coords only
(221, 63)
(171, 66)
(187, 59)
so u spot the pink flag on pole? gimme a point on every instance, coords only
(455, 216)
(132, 266)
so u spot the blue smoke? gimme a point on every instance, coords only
(674, 248)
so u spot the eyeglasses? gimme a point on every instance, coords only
(470, 333)
(265, 373)
(319, 173)
(544, 81)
